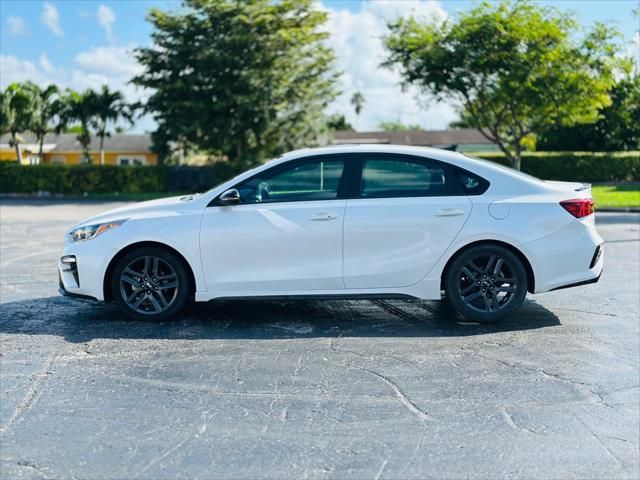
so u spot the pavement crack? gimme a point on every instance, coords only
(381, 470)
(511, 422)
(33, 393)
(404, 399)
(600, 442)
(586, 311)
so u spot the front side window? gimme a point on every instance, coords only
(313, 180)
(402, 178)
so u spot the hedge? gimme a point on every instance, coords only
(576, 166)
(80, 179)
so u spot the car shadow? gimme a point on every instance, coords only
(80, 322)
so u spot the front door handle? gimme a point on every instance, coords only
(449, 212)
(323, 217)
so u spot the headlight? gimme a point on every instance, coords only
(89, 231)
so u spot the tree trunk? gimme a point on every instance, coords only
(102, 150)
(40, 150)
(517, 156)
(517, 161)
(16, 145)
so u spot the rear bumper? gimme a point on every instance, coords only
(579, 284)
(570, 257)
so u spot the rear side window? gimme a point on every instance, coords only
(397, 177)
(472, 184)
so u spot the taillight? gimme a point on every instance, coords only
(579, 207)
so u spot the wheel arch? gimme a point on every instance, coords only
(106, 281)
(531, 280)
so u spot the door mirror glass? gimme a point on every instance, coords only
(230, 197)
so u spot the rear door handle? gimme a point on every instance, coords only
(449, 212)
(323, 217)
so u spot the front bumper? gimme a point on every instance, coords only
(84, 277)
(62, 291)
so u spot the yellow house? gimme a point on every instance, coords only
(64, 149)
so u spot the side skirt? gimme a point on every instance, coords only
(320, 296)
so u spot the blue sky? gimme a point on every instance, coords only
(85, 43)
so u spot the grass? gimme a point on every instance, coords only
(620, 195)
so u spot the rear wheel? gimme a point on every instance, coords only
(486, 283)
(150, 283)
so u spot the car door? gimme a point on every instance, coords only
(407, 212)
(284, 236)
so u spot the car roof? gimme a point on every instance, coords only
(435, 153)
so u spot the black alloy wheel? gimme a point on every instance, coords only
(150, 284)
(486, 283)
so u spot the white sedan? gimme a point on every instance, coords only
(356, 221)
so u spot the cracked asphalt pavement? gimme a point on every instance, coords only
(314, 389)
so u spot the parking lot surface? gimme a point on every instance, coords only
(314, 389)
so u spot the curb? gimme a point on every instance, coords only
(618, 209)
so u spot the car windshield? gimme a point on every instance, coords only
(504, 167)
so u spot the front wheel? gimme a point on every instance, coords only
(486, 283)
(150, 283)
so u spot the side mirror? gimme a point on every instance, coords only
(230, 197)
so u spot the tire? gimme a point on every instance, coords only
(150, 283)
(486, 283)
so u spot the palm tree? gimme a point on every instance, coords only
(46, 109)
(16, 107)
(357, 100)
(79, 107)
(108, 107)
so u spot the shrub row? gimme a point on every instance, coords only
(80, 179)
(576, 166)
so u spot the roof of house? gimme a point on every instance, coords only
(423, 138)
(68, 142)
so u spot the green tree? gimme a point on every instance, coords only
(515, 67)
(239, 79)
(617, 128)
(338, 122)
(79, 107)
(16, 114)
(397, 126)
(46, 111)
(107, 108)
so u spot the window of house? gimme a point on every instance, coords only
(397, 177)
(131, 160)
(57, 159)
(313, 180)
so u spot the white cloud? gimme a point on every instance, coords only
(110, 61)
(17, 70)
(16, 25)
(51, 18)
(106, 18)
(356, 39)
(45, 64)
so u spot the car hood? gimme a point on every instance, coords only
(152, 208)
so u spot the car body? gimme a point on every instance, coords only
(353, 221)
